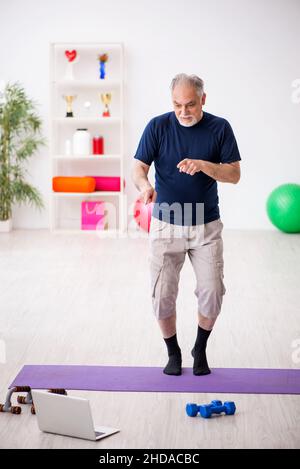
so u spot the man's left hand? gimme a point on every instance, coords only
(190, 166)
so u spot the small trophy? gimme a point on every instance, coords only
(69, 100)
(72, 58)
(106, 99)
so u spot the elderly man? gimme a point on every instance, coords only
(191, 150)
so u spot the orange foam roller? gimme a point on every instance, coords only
(73, 184)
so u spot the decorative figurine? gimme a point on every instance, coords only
(72, 58)
(103, 58)
(87, 107)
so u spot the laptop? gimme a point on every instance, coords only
(67, 415)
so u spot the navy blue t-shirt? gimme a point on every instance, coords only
(166, 142)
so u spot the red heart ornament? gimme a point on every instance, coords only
(71, 55)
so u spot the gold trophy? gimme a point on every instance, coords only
(69, 100)
(106, 99)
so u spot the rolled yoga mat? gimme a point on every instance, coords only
(152, 379)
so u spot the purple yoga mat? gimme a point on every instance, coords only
(150, 379)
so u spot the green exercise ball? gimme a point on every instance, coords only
(283, 208)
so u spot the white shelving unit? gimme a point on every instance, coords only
(65, 207)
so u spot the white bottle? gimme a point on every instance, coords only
(81, 142)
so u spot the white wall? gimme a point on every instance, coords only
(247, 51)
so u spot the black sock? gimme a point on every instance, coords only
(200, 366)
(173, 366)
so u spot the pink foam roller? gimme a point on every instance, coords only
(108, 183)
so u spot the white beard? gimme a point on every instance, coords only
(190, 123)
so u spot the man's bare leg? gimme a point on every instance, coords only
(168, 326)
(206, 323)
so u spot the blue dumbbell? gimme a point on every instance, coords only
(215, 407)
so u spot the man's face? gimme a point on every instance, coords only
(187, 105)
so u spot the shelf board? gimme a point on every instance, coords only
(86, 157)
(87, 120)
(86, 194)
(99, 233)
(88, 46)
(88, 83)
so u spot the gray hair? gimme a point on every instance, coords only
(191, 80)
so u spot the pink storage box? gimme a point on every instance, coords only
(108, 183)
(92, 215)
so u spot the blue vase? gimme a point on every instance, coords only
(102, 70)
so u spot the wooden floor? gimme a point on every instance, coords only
(75, 299)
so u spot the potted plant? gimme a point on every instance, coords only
(19, 138)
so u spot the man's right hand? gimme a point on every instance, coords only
(148, 195)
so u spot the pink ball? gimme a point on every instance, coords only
(142, 214)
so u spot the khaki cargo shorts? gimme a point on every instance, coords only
(168, 246)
